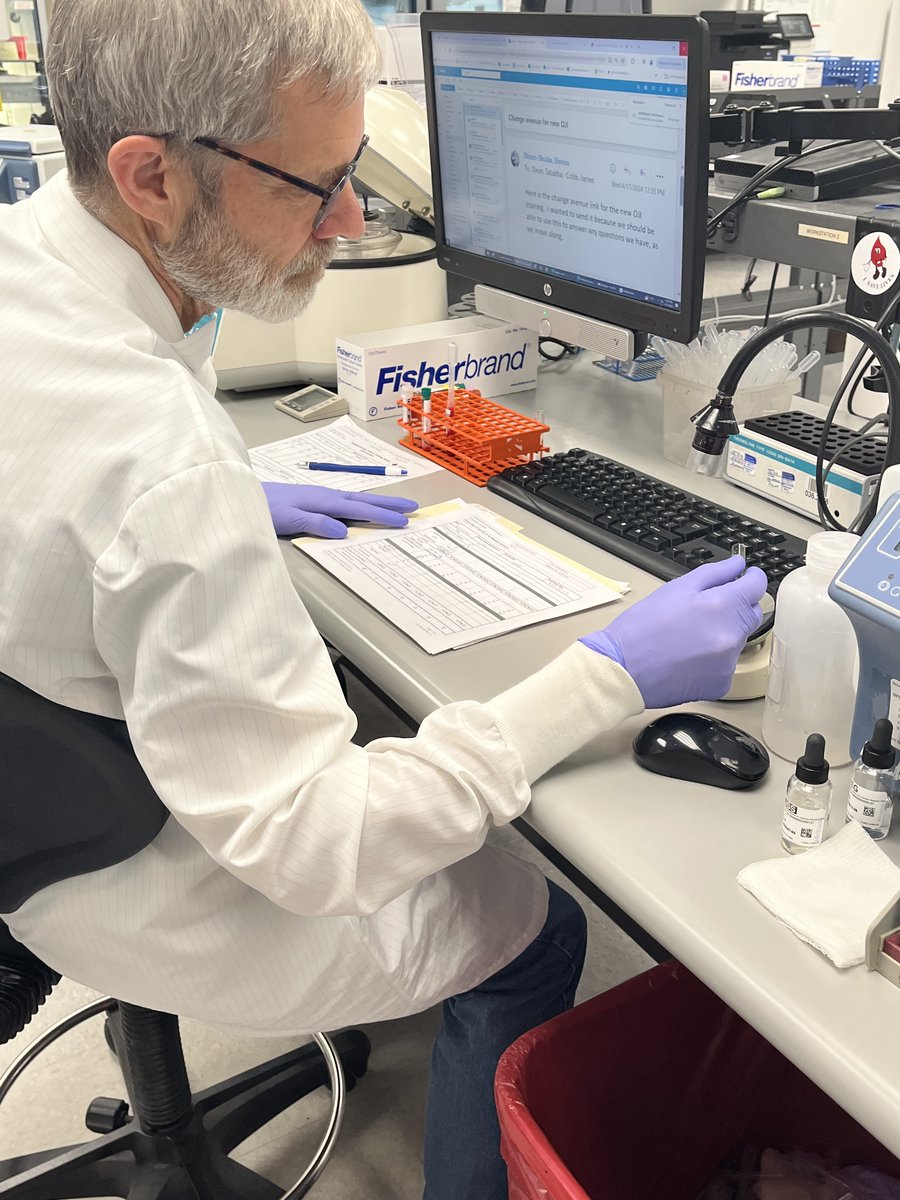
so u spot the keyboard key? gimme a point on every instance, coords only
(691, 529)
(521, 474)
(569, 502)
(665, 535)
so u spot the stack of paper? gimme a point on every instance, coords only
(459, 576)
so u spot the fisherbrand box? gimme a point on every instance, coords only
(751, 76)
(496, 359)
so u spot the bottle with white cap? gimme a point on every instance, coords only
(813, 668)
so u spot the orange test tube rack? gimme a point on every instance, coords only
(478, 440)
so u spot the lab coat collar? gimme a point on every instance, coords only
(105, 261)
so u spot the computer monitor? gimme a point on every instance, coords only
(602, 7)
(569, 166)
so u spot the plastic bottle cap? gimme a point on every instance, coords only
(426, 395)
(829, 549)
(878, 751)
(811, 766)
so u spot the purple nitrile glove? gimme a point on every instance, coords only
(302, 508)
(682, 643)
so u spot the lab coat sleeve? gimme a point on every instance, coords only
(236, 714)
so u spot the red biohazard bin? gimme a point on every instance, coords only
(641, 1093)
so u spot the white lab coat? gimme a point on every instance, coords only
(302, 882)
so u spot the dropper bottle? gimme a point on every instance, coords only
(871, 799)
(808, 799)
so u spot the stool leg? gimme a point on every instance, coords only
(231, 1111)
(10, 1167)
(105, 1167)
(152, 1062)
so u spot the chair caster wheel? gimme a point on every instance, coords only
(106, 1115)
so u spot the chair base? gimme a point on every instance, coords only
(192, 1162)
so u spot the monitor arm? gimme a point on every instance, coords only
(764, 122)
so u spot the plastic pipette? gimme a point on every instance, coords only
(807, 364)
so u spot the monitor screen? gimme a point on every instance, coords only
(566, 155)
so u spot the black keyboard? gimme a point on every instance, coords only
(642, 520)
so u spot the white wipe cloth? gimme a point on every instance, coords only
(828, 896)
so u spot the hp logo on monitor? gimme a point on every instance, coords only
(548, 290)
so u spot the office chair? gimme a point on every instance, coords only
(73, 799)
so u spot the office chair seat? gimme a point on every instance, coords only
(73, 799)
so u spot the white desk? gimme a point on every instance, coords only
(667, 852)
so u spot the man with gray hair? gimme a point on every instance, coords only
(302, 882)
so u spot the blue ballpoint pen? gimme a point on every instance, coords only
(350, 469)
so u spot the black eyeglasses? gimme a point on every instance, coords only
(328, 196)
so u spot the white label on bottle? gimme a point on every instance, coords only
(803, 826)
(866, 806)
(894, 713)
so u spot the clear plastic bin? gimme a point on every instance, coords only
(641, 1093)
(681, 398)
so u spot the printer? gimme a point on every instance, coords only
(387, 278)
(735, 36)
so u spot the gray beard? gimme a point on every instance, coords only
(214, 266)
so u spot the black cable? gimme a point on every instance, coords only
(860, 377)
(864, 356)
(749, 280)
(771, 295)
(860, 436)
(718, 417)
(761, 176)
(743, 193)
(565, 348)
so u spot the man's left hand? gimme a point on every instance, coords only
(302, 508)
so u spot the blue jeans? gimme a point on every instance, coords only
(462, 1136)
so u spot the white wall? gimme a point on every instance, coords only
(861, 38)
(890, 66)
(690, 8)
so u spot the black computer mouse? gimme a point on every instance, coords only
(689, 745)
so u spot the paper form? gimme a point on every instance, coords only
(340, 442)
(617, 585)
(457, 578)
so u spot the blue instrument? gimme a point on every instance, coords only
(867, 587)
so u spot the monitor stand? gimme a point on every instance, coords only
(547, 321)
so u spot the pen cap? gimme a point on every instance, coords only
(879, 752)
(811, 766)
